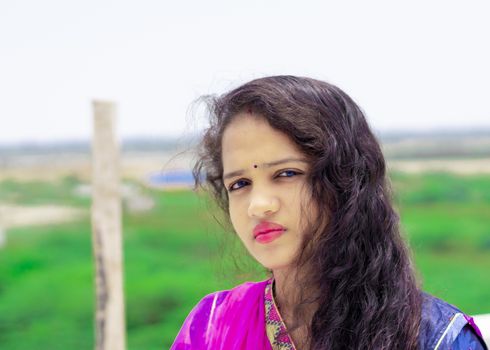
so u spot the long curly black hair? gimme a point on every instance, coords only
(355, 259)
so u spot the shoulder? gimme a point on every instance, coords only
(237, 293)
(442, 323)
(212, 309)
(468, 339)
(216, 299)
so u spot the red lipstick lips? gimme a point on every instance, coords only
(266, 232)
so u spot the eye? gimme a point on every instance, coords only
(289, 173)
(237, 185)
(242, 183)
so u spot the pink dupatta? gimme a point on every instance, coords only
(225, 320)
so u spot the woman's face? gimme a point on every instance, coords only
(265, 176)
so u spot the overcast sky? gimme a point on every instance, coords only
(411, 65)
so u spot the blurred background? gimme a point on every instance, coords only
(419, 70)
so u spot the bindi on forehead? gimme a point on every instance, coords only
(264, 165)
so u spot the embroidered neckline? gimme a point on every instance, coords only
(276, 328)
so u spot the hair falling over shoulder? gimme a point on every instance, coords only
(354, 258)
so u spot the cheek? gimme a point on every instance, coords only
(236, 216)
(307, 208)
(232, 211)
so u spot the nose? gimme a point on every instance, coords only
(263, 205)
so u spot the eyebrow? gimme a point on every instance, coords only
(266, 165)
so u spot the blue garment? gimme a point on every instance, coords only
(445, 327)
(467, 340)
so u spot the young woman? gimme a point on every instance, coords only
(293, 163)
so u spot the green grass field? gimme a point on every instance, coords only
(174, 255)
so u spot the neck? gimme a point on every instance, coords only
(285, 292)
(286, 296)
(288, 293)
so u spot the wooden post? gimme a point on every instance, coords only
(3, 237)
(106, 231)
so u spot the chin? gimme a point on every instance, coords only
(275, 264)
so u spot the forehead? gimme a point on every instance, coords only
(249, 139)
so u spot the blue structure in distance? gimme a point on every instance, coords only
(171, 178)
